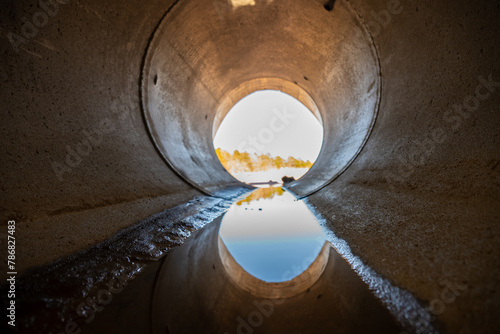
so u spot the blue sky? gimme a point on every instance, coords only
(272, 237)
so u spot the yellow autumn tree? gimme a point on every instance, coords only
(246, 162)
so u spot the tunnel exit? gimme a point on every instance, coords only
(267, 136)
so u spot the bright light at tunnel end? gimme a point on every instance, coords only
(267, 135)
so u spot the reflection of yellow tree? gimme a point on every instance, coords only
(262, 193)
(244, 162)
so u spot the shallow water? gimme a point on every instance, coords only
(272, 235)
(127, 284)
(270, 175)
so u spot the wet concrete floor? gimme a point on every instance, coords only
(187, 288)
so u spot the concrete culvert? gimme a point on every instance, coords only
(207, 71)
(109, 111)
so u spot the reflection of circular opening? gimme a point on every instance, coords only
(271, 235)
(274, 290)
(271, 244)
(268, 135)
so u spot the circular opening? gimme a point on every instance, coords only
(268, 137)
(202, 74)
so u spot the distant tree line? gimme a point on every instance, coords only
(246, 162)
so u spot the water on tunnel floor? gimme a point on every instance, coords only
(272, 235)
(200, 288)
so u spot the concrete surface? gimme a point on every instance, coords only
(420, 204)
(71, 291)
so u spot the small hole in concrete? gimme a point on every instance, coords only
(329, 5)
(319, 297)
(155, 79)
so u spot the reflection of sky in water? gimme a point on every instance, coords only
(273, 236)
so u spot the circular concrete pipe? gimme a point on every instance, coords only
(201, 61)
(418, 216)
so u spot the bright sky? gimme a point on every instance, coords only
(270, 121)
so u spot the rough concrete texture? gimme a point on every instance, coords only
(77, 77)
(49, 297)
(420, 204)
(74, 232)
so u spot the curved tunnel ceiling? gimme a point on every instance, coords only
(199, 63)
